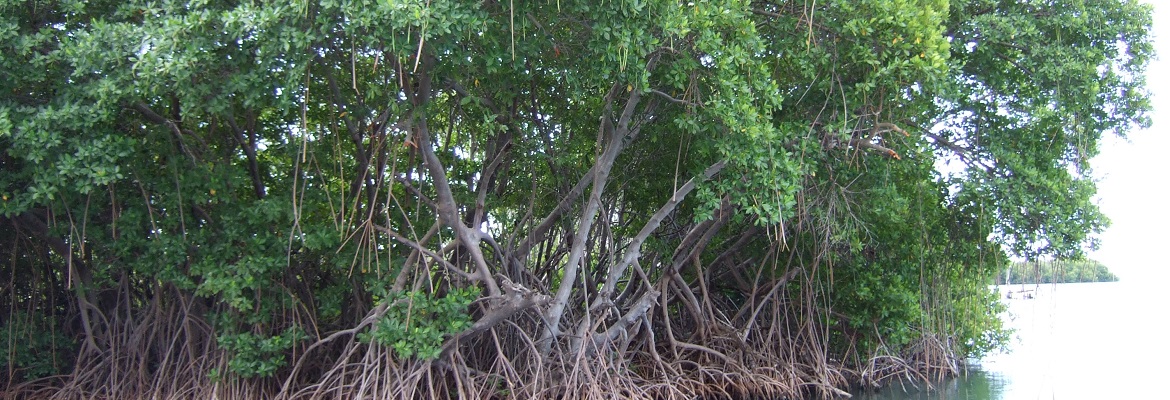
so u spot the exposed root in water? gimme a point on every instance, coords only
(165, 351)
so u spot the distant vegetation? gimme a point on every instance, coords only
(1058, 272)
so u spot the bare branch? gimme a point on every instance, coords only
(176, 131)
(869, 144)
(448, 211)
(419, 248)
(417, 193)
(672, 99)
(867, 141)
(619, 328)
(538, 234)
(634, 249)
(516, 298)
(614, 140)
(249, 148)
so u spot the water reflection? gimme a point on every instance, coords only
(1072, 341)
(974, 384)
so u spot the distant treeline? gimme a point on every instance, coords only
(1057, 272)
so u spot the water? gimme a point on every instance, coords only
(1073, 341)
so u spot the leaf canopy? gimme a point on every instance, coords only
(600, 175)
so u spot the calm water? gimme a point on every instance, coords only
(1073, 341)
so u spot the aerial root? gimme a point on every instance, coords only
(168, 354)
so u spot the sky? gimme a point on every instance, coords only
(1133, 189)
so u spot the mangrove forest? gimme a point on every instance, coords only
(1063, 271)
(439, 199)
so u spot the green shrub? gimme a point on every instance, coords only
(416, 324)
(258, 355)
(32, 348)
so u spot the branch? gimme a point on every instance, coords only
(517, 298)
(963, 153)
(635, 314)
(783, 280)
(448, 210)
(866, 141)
(766, 13)
(672, 99)
(634, 249)
(1000, 56)
(604, 297)
(868, 144)
(355, 135)
(538, 234)
(370, 319)
(176, 131)
(744, 238)
(412, 259)
(623, 123)
(417, 193)
(708, 350)
(615, 138)
(249, 148)
(40, 230)
(485, 177)
(697, 240)
(417, 247)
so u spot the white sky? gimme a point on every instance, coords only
(1133, 188)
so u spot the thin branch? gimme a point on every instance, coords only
(485, 177)
(963, 153)
(419, 248)
(417, 193)
(355, 134)
(176, 131)
(697, 240)
(634, 249)
(539, 233)
(779, 283)
(672, 99)
(249, 148)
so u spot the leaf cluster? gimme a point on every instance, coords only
(417, 324)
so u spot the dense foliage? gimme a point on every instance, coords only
(643, 198)
(1064, 271)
